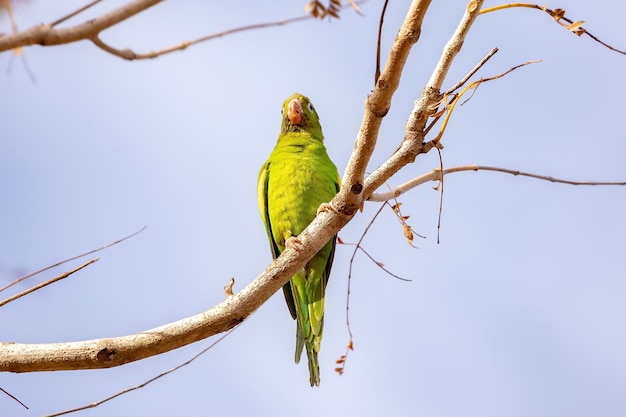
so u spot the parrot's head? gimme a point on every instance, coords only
(300, 115)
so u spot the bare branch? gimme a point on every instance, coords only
(46, 283)
(471, 73)
(143, 384)
(74, 13)
(131, 55)
(106, 353)
(449, 108)
(108, 245)
(558, 15)
(46, 34)
(378, 40)
(14, 397)
(376, 107)
(111, 352)
(435, 175)
(7, 6)
(350, 346)
(412, 144)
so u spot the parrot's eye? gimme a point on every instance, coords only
(311, 108)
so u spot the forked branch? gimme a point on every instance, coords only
(105, 353)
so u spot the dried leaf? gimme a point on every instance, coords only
(574, 27)
(558, 14)
(408, 233)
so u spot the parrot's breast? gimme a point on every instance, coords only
(301, 179)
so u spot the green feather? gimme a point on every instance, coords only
(296, 179)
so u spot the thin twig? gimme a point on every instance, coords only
(378, 41)
(436, 174)
(46, 283)
(471, 73)
(17, 52)
(130, 55)
(472, 86)
(7, 7)
(440, 194)
(413, 143)
(378, 264)
(350, 346)
(14, 397)
(409, 234)
(143, 384)
(108, 245)
(357, 246)
(558, 15)
(74, 13)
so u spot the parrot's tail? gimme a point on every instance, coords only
(314, 365)
(311, 353)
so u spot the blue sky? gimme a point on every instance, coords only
(518, 311)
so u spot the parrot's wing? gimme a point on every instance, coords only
(262, 195)
(331, 256)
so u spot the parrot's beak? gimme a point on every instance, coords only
(294, 112)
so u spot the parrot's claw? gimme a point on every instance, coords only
(294, 243)
(326, 208)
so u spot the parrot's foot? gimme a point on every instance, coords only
(294, 243)
(326, 208)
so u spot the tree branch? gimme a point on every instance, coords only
(377, 105)
(46, 283)
(141, 385)
(131, 55)
(46, 34)
(107, 353)
(435, 175)
(412, 144)
(558, 15)
(111, 352)
(54, 265)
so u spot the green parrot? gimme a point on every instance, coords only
(294, 183)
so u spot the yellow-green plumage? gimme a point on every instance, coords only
(296, 179)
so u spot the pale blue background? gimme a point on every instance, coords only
(520, 311)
